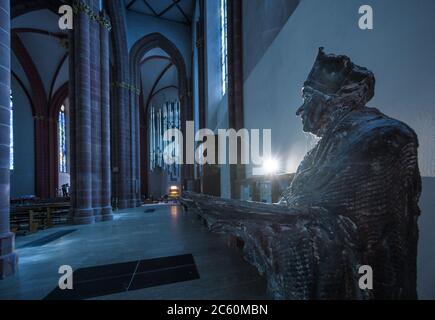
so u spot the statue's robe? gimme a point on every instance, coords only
(353, 202)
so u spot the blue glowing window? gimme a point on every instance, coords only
(62, 141)
(224, 46)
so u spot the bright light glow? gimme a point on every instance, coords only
(270, 166)
(173, 188)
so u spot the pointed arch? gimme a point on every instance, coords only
(55, 104)
(138, 51)
(157, 40)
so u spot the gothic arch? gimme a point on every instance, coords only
(139, 49)
(157, 40)
(54, 108)
(39, 104)
(40, 100)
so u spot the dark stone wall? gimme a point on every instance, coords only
(8, 259)
(235, 83)
(262, 21)
(425, 254)
(40, 113)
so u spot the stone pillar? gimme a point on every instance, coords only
(8, 258)
(83, 212)
(96, 113)
(235, 85)
(137, 194)
(120, 106)
(187, 170)
(144, 157)
(135, 151)
(201, 42)
(106, 188)
(128, 125)
(72, 121)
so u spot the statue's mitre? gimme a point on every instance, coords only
(332, 74)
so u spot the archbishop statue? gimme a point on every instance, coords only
(352, 205)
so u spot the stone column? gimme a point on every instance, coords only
(8, 258)
(120, 105)
(201, 45)
(72, 121)
(135, 150)
(144, 139)
(96, 113)
(128, 125)
(235, 85)
(83, 212)
(106, 187)
(137, 194)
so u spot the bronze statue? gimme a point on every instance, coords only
(353, 200)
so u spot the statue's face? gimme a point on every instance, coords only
(311, 111)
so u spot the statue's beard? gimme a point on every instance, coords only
(315, 115)
(315, 124)
(322, 110)
(310, 125)
(322, 118)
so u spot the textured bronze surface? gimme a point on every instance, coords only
(353, 200)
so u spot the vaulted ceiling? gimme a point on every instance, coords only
(172, 10)
(158, 74)
(19, 7)
(34, 35)
(38, 34)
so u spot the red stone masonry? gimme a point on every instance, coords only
(106, 185)
(121, 177)
(82, 209)
(97, 159)
(90, 118)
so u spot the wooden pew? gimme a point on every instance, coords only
(28, 218)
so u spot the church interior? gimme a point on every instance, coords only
(84, 109)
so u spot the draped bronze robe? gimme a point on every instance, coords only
(353, 201)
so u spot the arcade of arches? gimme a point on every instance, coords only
(89, 105)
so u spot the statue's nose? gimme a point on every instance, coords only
(300, 110)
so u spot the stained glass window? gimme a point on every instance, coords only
(11, 141)
(62, 140)
(224, 45)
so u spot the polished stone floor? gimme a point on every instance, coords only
(137, 234)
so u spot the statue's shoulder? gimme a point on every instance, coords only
(371, 124)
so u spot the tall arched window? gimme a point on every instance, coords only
(62, 141)
(11, 141)
(224, 46)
